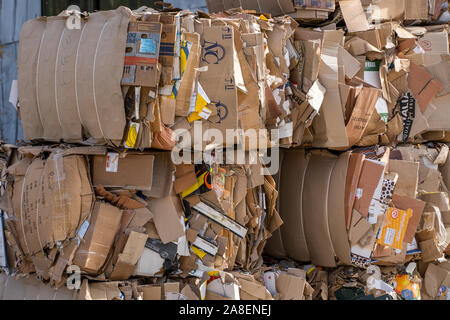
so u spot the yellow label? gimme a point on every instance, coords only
(200, 182)
(198, 252)
(132, 135)
(394, 228)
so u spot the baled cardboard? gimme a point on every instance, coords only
(99, 238)
(64, 184)
(336, 209)
(133, 171)
(315, 211)
(56, 107)
(295, 164)
(31, 289)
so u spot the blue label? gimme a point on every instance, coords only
(148, 46)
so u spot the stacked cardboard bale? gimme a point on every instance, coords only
(106, 104)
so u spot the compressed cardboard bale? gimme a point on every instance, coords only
(51, 199)
(313, 208)
(57, 106)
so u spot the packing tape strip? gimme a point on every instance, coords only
(93, 80)
(281, 8)
(76, 76)
(37, 78)
(37, 217)
(56, 78)
(59, 162)
(21, 208)
(259, 5)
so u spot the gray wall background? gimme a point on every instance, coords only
(13, 13)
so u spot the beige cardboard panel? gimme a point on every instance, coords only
(329, 126)
(315, 212)
(219, 81)
(336, 209)
(30, 43)
(188, 81)
(295, 166)
(167, 222)
(163, 171)
(354, 16)
(408, 176)
(31, 289)
(46, 78)
(66, 107)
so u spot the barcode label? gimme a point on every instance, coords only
(389, 236)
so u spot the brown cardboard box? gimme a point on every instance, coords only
(133, 171)
(354, 16)
(129, 257)
(436, 276)
(408, 177)
(219, 82)
(99, 238)
(354, 171)
(291, 285)
(371, 173)
(142, 54)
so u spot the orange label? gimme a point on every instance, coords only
(394, 228)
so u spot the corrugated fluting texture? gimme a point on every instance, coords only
(12, 16)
